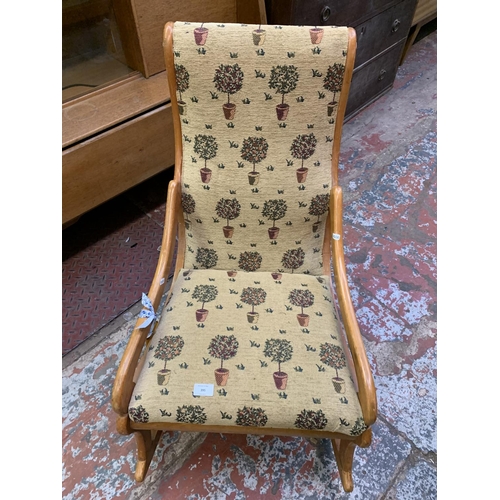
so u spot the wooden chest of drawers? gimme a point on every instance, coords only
(382, 28)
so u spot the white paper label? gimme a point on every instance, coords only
(203, 390)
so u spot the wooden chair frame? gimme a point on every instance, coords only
(148, 434)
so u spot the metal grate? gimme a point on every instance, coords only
(109, 259)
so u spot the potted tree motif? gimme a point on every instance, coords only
(251, 417)
(139, 414)
(228, 79)
(301, 298)
(274, 210)
(253, 297)
(302, 148)
(206, 257)
(311, 420)
(317, 207)
(259, 35)
(280, 351)
(316, 35)
(182, 82)
(168, 348)
(254, 150)
(204, 293)
(333, 356)
(293, 259)
(250, 261)
(223, 347)
(191, 414)
(283, 80)
(359, 427)
(229, 210)
(333, 83)
(205, 146)
(188, 206)
(276, 276)
(200, 35)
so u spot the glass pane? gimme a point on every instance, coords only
(92, 53)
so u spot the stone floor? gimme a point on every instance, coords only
(388, 172)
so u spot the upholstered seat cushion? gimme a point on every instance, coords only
(267, 344)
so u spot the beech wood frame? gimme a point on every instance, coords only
(148, 434)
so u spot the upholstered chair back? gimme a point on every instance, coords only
(258, 106)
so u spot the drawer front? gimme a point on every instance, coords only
(114, 161)
(324, 12)
(373, 79)
(382, 31)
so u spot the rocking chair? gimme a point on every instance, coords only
(249, 338)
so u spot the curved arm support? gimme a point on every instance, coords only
(367, 393)
(124, 383)
(168, 52)
(344, 94)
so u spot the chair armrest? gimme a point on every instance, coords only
(366, 385)
(124, 380)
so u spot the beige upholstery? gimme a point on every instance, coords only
(251, 316)
(269, 346)
(258, 109)
(249, 340)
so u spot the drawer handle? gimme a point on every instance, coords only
(325, 13)
(395, 25)
(381, 75)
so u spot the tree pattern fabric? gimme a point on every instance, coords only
(270, 343)
(258, 106)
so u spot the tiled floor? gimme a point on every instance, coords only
(388, 172)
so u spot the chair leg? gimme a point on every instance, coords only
(344, 454)
(147, 442)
